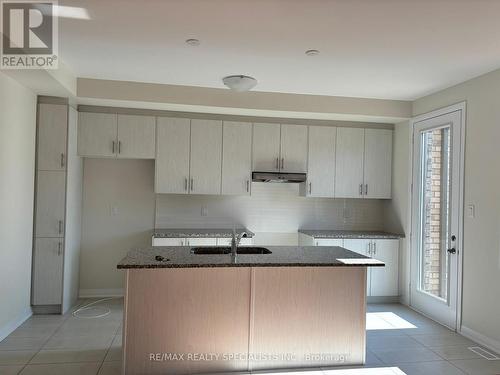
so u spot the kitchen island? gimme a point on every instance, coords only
(197, 313)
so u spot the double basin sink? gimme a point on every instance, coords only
(222, 250)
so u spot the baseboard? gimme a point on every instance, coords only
(96, 293)
(382, 299)
(485, 341)
(14, 323)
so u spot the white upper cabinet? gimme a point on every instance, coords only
(236, 158)
(172, 155)
(293, 148)
(321, 162)
(97, 134)
(363, 163)
(136, 137)
(349, 163)
(52, 135)
(206, 157)
(378, 163)
(266, 147)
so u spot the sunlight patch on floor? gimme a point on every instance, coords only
(386, 320)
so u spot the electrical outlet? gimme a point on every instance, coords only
(204, 211)
(114, 210)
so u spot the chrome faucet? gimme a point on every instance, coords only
(235, 241)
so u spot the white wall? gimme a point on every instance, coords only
(481, 283)
(17, 170)
(107, 237)
(396, 210)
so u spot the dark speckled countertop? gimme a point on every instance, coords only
(351, 234)
(281, 256)
(198, 233)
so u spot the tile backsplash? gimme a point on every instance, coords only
(272, 207)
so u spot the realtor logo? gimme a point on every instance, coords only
(29, 34)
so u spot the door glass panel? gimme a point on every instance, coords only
(434, 233)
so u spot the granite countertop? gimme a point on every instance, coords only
(351, 234)
(199, 233)
(281, 256)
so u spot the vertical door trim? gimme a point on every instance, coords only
(461, 106)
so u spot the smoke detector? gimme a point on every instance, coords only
(239, 82)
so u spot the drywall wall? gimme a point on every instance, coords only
(396, 209)
(273, 212)
(17, 171)
(118, 215)
(481, 268)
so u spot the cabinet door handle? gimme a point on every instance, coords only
(185, 184)
(62, 160)
(282, 163)
(360, 189)
(374, 247)
(59, 248)
(310, 187)
(114, 144)
(369, 250)
(192, 184)
(119, 147)
(277, 163)
(248, 186)
(366, 189)
(60, 226)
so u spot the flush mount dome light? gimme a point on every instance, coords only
(239, 82)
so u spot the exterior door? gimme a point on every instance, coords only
(437, 215)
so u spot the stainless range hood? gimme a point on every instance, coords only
(278, 177)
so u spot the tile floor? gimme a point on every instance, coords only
(399, 341)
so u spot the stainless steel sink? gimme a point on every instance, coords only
(214, 250)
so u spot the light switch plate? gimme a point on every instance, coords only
(471, 211)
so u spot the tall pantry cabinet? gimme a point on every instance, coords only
(58, 201)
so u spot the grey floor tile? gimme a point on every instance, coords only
(478, 366)
(111, 368)
(408, 355)
(21, 343)
(391, 342)
(79, 342)
(62, 369)
(455, 352)
(10, 370)
(42, 332)
(430, 368)
(68, 356)
(114, 354)
(446, 339)
(16, 357)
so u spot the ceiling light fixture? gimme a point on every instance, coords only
(239, 82)
(312, 52)
(193, 42)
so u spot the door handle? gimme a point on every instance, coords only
(59, 248)
(366, 189)
(452, 250)
(374, 244)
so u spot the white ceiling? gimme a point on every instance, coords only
(389, 49)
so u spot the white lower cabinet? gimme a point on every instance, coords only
(198, 241)
(48, 271)
(380, 281)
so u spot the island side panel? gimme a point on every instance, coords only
(308, 310)
(186, 310)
